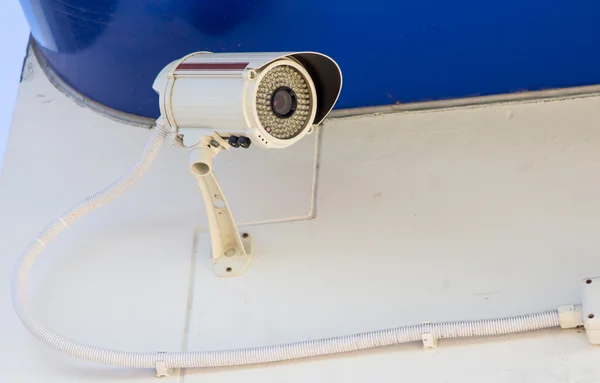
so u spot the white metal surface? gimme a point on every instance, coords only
(446, 215)
(214, 104)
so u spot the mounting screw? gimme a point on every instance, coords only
(244, 142)
(215, 144)
(233, 141)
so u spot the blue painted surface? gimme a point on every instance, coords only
(390, 51)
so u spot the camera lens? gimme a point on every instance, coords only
(284, 102)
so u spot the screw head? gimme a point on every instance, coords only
(215, 144)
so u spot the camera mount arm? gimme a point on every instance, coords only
(230, 250)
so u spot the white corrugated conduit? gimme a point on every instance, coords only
(221, 358)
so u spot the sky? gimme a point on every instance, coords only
(14, 33)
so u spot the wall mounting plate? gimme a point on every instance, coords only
(234, 265)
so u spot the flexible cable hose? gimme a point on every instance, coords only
(221, 358)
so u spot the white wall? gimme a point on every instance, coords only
(13, 40)
(457, 214)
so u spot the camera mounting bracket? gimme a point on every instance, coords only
(230, 250)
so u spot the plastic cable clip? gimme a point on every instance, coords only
(429, 341)
(570, 316)
(161, 368)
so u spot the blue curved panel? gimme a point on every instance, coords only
(390, 51)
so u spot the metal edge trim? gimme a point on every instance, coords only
(472, 102)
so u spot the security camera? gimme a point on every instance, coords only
(218, 101)
(209, 103)
(269, 100)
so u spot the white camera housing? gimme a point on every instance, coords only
(222, 93)
(216, 101)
